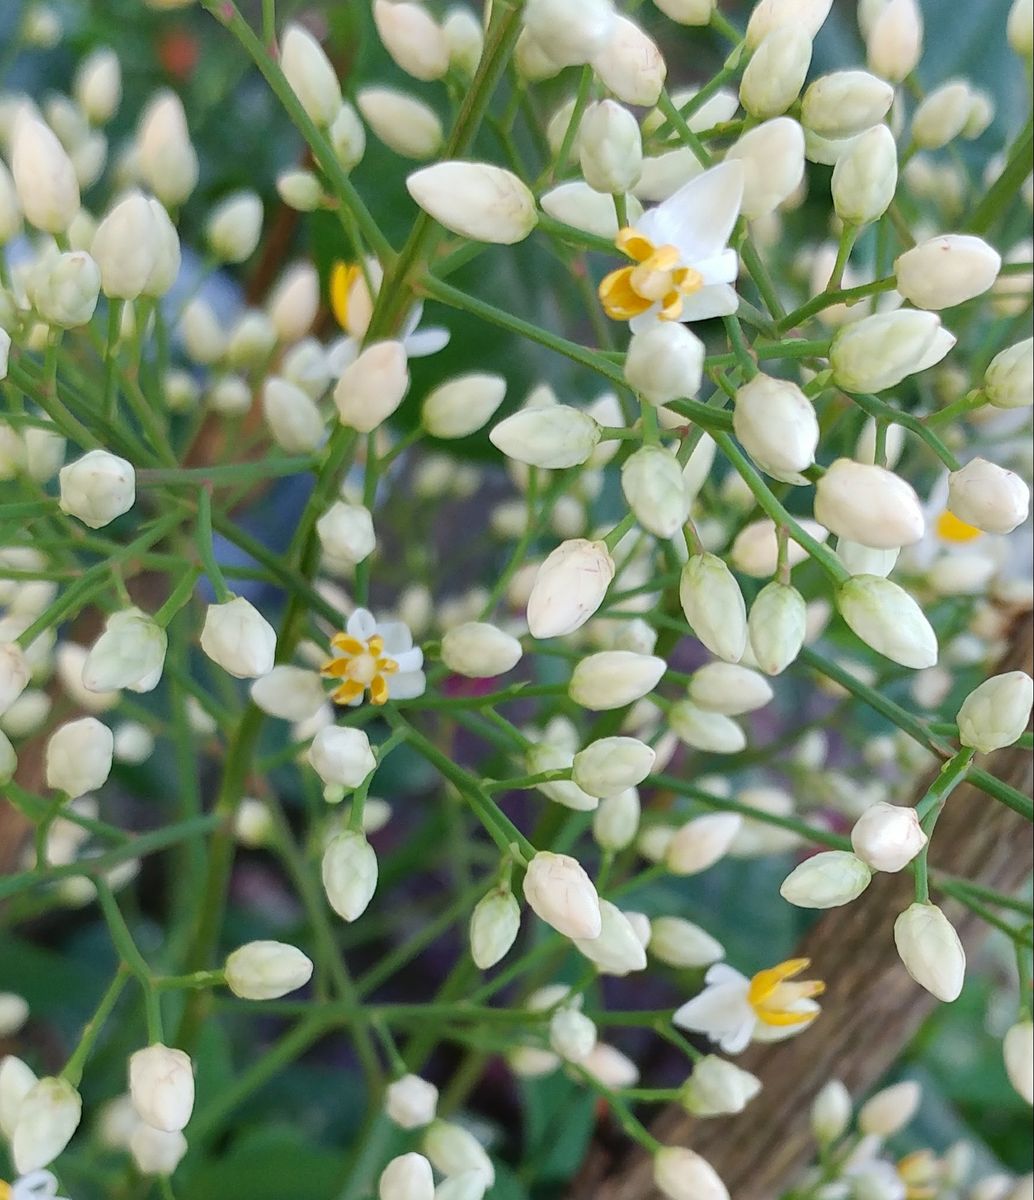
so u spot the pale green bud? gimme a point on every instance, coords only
(494, 925)
(889, 620)
(652, 481)
(865, 177)
(475, 200)
(714, 607)
(349, 872)
(683, 945)
(776, 72)
(826, 880)
(555, 436)
(708, 731)
(1009, 379)
(267, 970)
(718, 1087)
(996, 713)
(845, 103)
(931, 951)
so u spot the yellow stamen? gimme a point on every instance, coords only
(342, 277)
(951, 528)
(359, 665)
(5, 1191)
(773, 999)
(919, 1173)
(658, 279)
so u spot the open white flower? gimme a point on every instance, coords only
(370, 654)
(39, 1185)
(732, 1010)
(684, 267)
(352, 304)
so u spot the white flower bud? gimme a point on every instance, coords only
(718, 1087)
(155, 1152)
(889, 620)
(310, 74)
(709, 731)
(294, 302)
(15, 673)
(931, 951)
(889, 1110)
(11, 211)
(887, 836)
(701, 842)
(346, 534)
(411, 1102)
(371, 388)
(349, 873)
(203, 336)
(305, 365)
(471, 1185)
(614, 679)
(610, 765)
(494, 925)
(612, 1068)
(403, 123)
(476, 200)
(124, 247)
(239, 638)
(831, 1112)
(773, 165)
(845, 103)
(572, 1035)
(665, 363)
(341, 755)
(97, 86)
(869, 505)
(996, 713)
(894, 41)
(165, 268)
(572, 30)
(47, 1117)
(479, 650)
(465, 39)
(652, 482)
(14, 1012)
(1020, 28)
(167, 159)
(988, 496)
(43, 176)
(569, 587)
(777, 426)
(267, 970)
(234, 227)
(630, 64)
(230, 396)
(776, 71)
(777, 626)
(8, 766)
(413, 38)
(161, 1084)
(618, 950)
(17, 1079)
(1009, 379)
(877, 352)
(682, 1174)
(408, 1177)
(290, 693)
(683, 945)
(347, 136)
(687, 12)
(865, 177)
(292, 416)
(808, 15)
(1018, 1052)
(454, 1150)
(729, 688)
(560, 893)
(714, 607)
(942, 115)
(555, 436)
(64, 289)
(461, 405)
(944, 271)
(826, 880)
(78, 756)
(130, 653)
(610, 147)
(616, 821)
(576, 204)
(97, 488)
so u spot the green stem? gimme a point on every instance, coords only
(73, 1069)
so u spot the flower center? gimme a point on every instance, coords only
(919, 1173)
(775, 1001)
(342, 277)
(660, 278)
(359, 665)
(951, 528)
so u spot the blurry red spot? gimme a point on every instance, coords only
(178, 53)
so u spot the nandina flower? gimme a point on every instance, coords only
(352, 305)
(367, 655)
(39, 1185)
(684, 266)
(733, 1009)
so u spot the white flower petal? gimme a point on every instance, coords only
(407, 685)
(361, 625)
(719, 300)
(699, 217)
(396, 635)
(409, 660)
(425, 342)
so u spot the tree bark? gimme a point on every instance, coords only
(871, 1009)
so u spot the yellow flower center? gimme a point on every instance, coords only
(5, 1191)
(773, 999)
(342, 277)
(919, 1173)
(659, 278)
(359, 665)
(951, 528)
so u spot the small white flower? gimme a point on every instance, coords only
(39, 1185)
(684, 267)
(732, 1009)
(379, 656)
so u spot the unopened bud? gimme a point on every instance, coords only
(294, 302)
(687, 12)
(234, 227)
(562, 894)
(945, 271)
(267, 970)
(870, 505)
(413, 38)
(494, 925)
(371, 388)
(772, 155)
(888, 836)
(996, 713)
(239, 638)
(342, 756)
(465, 39)
(124, 247)
(475, 200)
(617, 950)
(78, 756)
(877, 352)
(167, 159)
(845, 103)
(889, 620)
(349, 872)
(683, 945)
(1018, 1052)
(701, 842)
(807, 15)
(1009, 379)
(454, 1150)
(942, 115)
(43, 176)
(310, 74)
(610, 147)
(15, 673)
(894, 41)
(614, 679)
(931, 951)
(718, 1087)
(161, 1084)
(776, 72)
(729, 688)
(777, 426)
(665, 363)
(554, 437)
(479, 650)
(130, 653)
(47, 1117)
(630, 64)
(610, 765)
(826, 880)
(714, 607)
(616, 820)
(682, 1174)
(155, 1152)
(460, 406)
(411, 1102)
(889, 1110)
(988, 496)
(777, 626)
(569, 587)
(652, 482)
(573, 31)
(708, 731)
(98, 85)
(865, 177)
(292, 416)
(831, 1112)
(408, 1177)
(402, 122)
